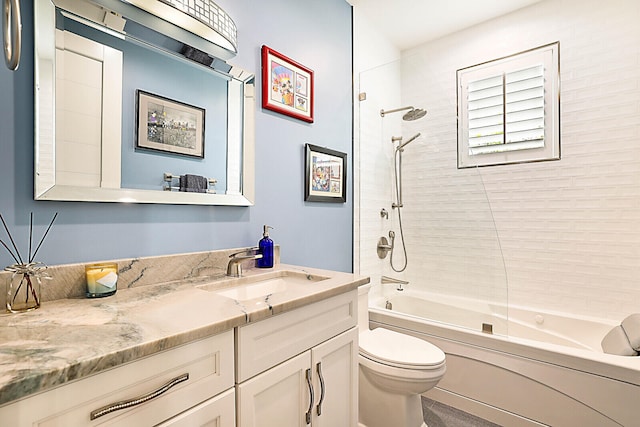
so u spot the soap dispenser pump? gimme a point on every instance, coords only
(265, 246)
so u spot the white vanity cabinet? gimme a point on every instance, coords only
(300, 368)
(296, 368)
(184, 386)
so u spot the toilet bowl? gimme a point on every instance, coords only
(395, 369)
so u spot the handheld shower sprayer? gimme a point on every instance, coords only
(404, 144)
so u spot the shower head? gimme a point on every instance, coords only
(404, 144)
(412, 114)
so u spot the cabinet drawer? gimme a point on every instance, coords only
(264, 344)
(208, 363)
(219, 411)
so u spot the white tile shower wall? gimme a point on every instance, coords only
(569, 229)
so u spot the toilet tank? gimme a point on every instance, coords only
(363, 306)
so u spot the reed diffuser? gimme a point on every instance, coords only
(23, 289)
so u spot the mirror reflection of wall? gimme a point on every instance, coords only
(148, 69)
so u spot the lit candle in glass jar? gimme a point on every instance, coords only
(101, 279)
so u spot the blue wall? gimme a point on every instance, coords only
(316, 34)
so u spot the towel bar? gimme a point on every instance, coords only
(168, 177)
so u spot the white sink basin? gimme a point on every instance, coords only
(258, 290)
(263, 285)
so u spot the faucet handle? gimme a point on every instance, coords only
(234, 267)
(233, 255)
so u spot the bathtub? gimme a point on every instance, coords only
(535, 368)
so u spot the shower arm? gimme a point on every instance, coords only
(383, 112)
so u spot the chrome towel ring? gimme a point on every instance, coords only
(12, 26)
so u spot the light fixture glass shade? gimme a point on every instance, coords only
(210, 14)
(183, 20)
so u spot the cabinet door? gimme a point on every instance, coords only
(266, 343)
(219, 411)
(278, 397)
(335, 366)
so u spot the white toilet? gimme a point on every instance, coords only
(395, 369)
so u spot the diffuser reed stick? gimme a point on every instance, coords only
(44, 236)
(26, 272)
(19, 258)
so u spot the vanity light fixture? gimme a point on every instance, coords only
(203, 18)
(88, 22)
(201, 11)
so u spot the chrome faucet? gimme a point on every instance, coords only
(387, 279)
(234, 268)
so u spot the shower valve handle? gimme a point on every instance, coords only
(383, 247)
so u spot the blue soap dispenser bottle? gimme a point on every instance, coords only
(265, 247)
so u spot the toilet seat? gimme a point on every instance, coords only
(400, 350)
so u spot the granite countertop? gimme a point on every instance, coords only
(68, 339)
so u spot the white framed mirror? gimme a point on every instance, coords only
(87, 76)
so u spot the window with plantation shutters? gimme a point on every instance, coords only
(508, 109)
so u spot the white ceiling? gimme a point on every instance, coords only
(409, 23)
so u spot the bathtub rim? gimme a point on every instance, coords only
(620, 368)
(505, 312)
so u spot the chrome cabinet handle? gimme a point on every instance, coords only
(138, 400)
(311, 398)
(319, 407)
(12, 24)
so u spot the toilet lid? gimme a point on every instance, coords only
(401, 350)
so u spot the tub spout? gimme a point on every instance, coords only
(387, 279)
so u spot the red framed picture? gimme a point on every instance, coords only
(287, 86)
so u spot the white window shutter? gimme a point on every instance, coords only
(508, 109)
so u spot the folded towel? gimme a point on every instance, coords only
(193, 183)
(616, 342)
(631, 326)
